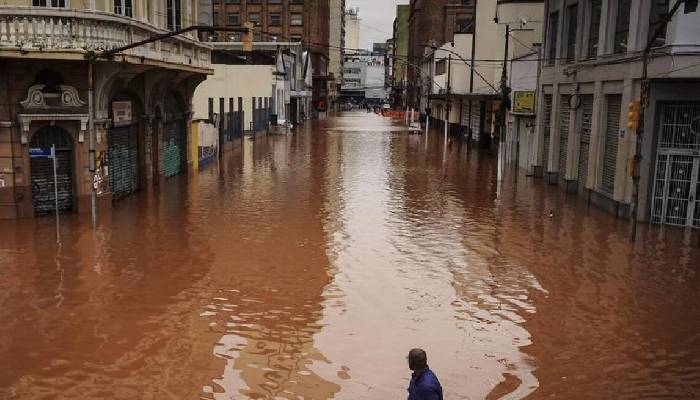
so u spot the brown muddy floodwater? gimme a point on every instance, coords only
(306, 267)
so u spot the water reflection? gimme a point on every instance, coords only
(306, 266)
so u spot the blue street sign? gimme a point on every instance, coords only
(40, 152)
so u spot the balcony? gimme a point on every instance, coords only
(56, 33)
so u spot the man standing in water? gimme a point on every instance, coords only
(424, 384)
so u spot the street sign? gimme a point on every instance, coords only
(121, 113)
(524, 102)
(40, 152)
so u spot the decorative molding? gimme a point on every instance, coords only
(70, 97)
(36, 98)
(25, 121)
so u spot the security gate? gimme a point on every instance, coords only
(676, 194)
(123, 160)
(585, 138)
(43, 191)
(174, 138)
(564, 118)
(173, 147)
(547, 126)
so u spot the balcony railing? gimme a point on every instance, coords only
(55, 31)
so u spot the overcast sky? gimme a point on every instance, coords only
(376, 19)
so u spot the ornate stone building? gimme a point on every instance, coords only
(141, 100)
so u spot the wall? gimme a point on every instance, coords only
(226, 82)
(336, 39)
(400, 40)
(352, 31)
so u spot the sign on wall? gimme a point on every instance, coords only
(524, 102)
(121, 112)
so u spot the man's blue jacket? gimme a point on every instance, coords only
(424, 386)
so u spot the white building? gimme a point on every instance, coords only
(364, 78)
(275, 75)
(592, 70)
(461, 79)
(352, 29)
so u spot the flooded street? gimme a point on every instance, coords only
(306, 267)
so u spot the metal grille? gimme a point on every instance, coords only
(476, 120)
(614, 106)
(680, 126)
(676, 194)
(43, 194)
(673, 203)
(173, 148)
(547, 126)
(585, 140)
(564, 117)
(123, 161)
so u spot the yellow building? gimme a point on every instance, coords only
(142, 99)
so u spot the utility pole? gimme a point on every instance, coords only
(447, 94)
(505, 106)
(644, 103)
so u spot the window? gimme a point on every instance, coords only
(49, 3)
(234, 37)
(296, 19)
(233, 19)
(572, 19)
(659, 11)
(275, 19)
(553, 32)
(295, 38)
(254, 18)
(174, 15)
(465, 2)
(233, 1)
(123, 7)
(274, 1)
(463, 25)
(594, 28)
(622, 25)
(253, 1)
(215, 18)
(441, 67)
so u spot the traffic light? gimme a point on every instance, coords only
(248, 36)
(633, 115)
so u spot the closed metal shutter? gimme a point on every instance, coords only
(173, 148)
(547, 126)
(43, 191)
(614, 107)
(123, 160)
(585, 140)
(564, 117)
(476, 120)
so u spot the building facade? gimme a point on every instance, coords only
(138, 115)
(430, 24)
(363, 78)
(336, 50)
(275, 78)
(400, 55)
(352, 29)
(460, 79)
(592, 71)
(305, 21)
